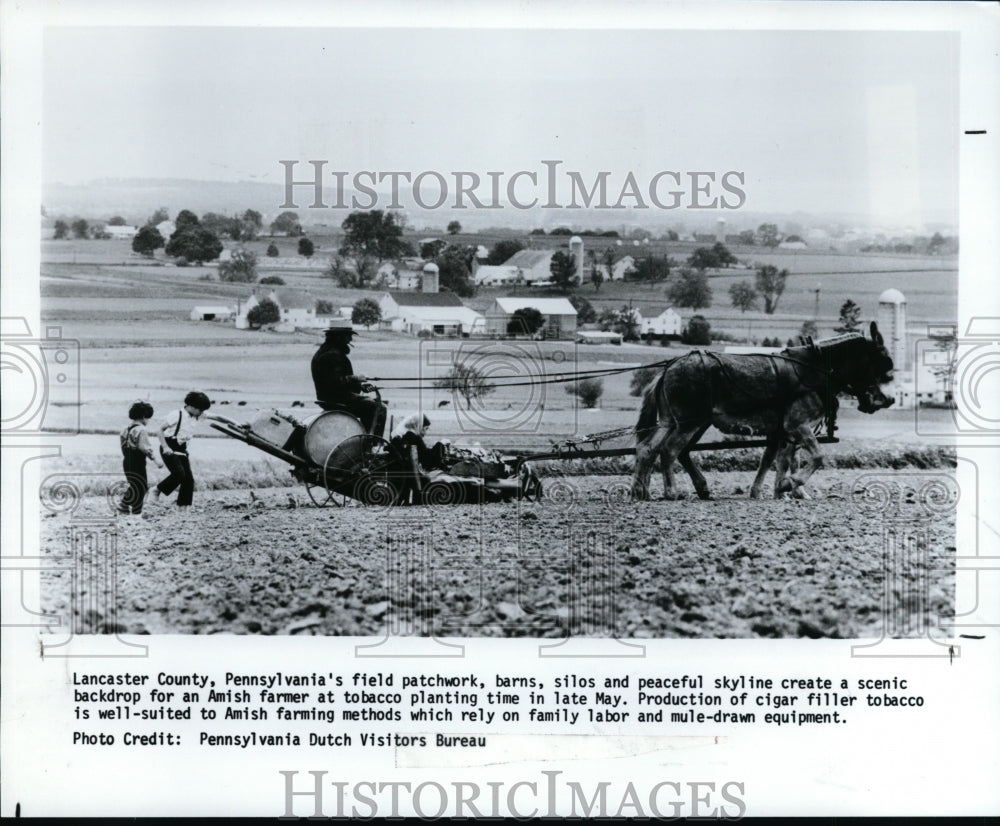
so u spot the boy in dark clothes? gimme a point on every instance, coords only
(136, 448)
(174, 433)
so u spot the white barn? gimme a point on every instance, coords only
(560, 315)
(438, 313)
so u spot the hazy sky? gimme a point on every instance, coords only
(861, 122)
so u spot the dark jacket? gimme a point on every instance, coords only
(333, 374)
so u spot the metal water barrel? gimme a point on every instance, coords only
(327, 430)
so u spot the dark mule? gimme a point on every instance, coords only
(778, 396)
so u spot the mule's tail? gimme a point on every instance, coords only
(649, 412)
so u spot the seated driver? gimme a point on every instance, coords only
(337, 385)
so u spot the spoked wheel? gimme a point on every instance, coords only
(367, 469)
(321, 496)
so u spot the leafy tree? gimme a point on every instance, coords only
(266, 312)
(723, 256)
(641, 378)
(241, 268)
(537, 232)
(561, 231)
(670, 235)
(454, 227)
(80, 228)
(770, 284)
(366, 311)
(430, 250)
(195, 243)
(563, 269)
(467, 381)
(220, 224)
(306, 247)
(945, 371)
(503, 251)
(596, 278)
(147, 240)
(713, 257)
(850, 318)
(324, 307)
(697, 331)
(344, 276)
(277, 280)
(251, 223)
(589, 391)
(653, 268)
(585, 312)
(61, 229)
(743, 296)
(98, 232)
(272, 250)
(690, 289)
(185, 219)
(768, 236)
(525, 321)
(748, 238)
(286, 224)
(116, 221)
(455, 270)
(158, 217)
(374, 233)
(626, 322)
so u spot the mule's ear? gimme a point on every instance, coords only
(876, 335)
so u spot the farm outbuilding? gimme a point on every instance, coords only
(217, 313)
(438, 313)
(560, 315)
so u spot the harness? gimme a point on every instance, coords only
(823, 386)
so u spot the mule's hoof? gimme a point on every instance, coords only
(704, 494)
(800, 493)
(754, 494)
(640, 495)
(672, 496)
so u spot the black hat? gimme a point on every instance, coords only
(198, 400)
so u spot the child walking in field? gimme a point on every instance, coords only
(174, 433)
(136, 448)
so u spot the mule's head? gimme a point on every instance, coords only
(871, 370)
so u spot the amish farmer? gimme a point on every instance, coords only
(410, 432)
(174, 433)
(136, 448)
(337, 386)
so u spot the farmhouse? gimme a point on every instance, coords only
(667, 323)
(121, 233)
(212, 313)
(292, 318)
(560, 315)
(493, 275)
(439, 313)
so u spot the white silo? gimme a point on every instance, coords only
(892, 325)
(576, 250)
(429, 280)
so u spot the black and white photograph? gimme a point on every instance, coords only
(642, 365)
